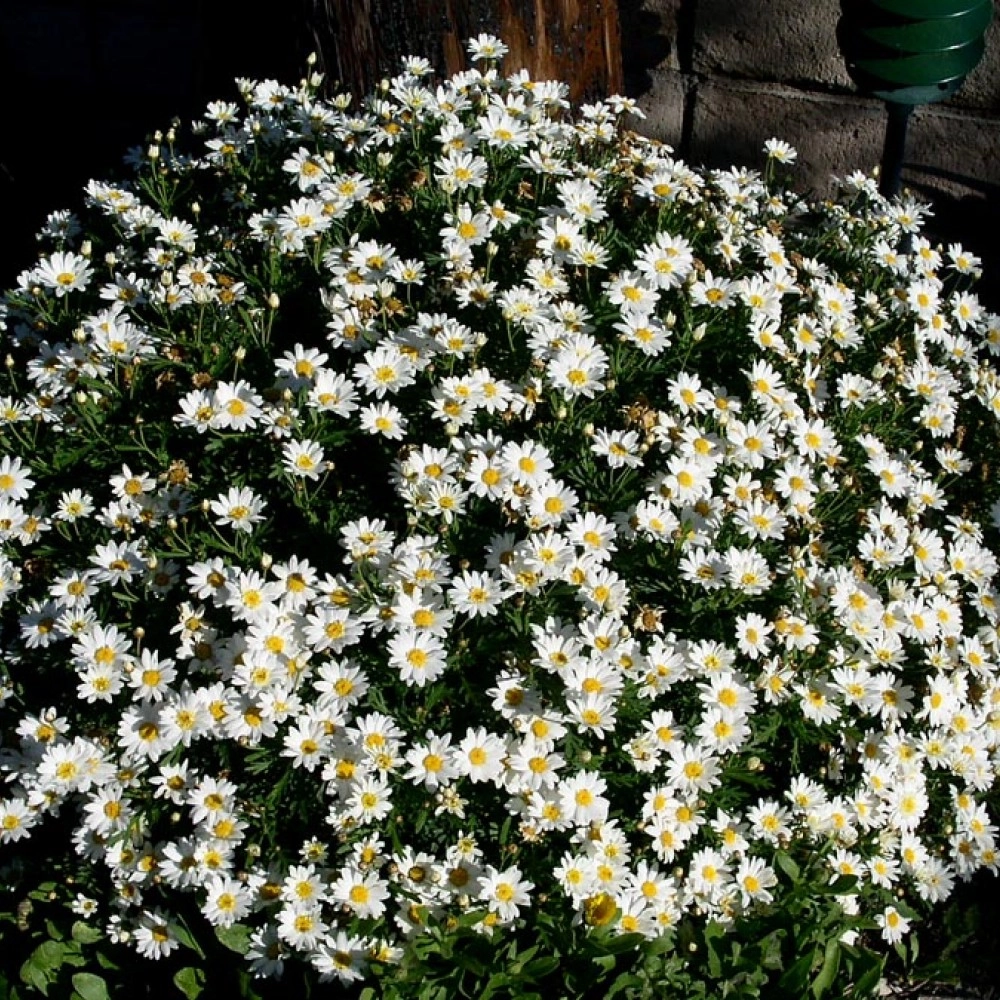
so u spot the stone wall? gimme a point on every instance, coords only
(734, 72)
(719, 77)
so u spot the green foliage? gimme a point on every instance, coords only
(190, 981)
(87, 986)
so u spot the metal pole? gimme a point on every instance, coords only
(894, 148)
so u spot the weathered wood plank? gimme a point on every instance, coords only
(579, 41)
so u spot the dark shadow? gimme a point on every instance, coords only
(647, 40)
(973, 220)
(88, 79)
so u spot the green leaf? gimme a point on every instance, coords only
(43, 964)
(620, 943)
(498, 981)
(662, 944)
(187, 939)
(72, 955)
(605, 962)
(49, 955)
(867, 983)
(524, 956)
(827, 974)
(796, 975)
(538, 968)
(90, 987)
(626, 981)
(235, 938)
(470, 964)
(33, 976)
(842, 884)
(433, 992)
(247, 991)
(85, 934)
(190, 981)
(784, 861)
(105, 961)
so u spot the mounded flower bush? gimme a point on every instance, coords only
(452, 547)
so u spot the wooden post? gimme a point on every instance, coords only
(359, 42)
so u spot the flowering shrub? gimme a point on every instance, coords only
(452, 542)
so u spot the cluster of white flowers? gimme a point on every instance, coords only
(666, 484)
